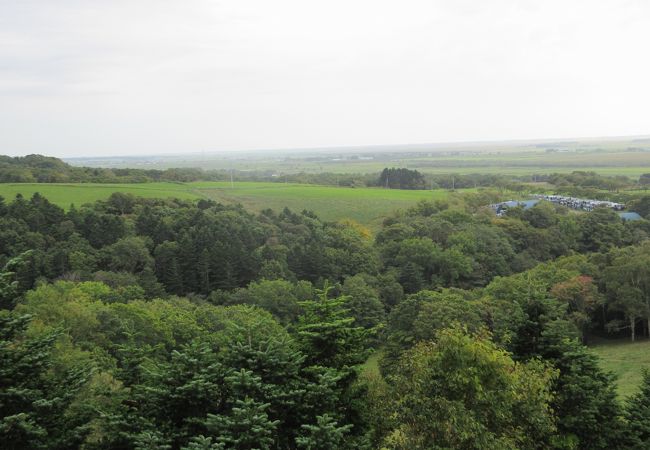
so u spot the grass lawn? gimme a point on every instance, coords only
(365, 205)
(625, 359)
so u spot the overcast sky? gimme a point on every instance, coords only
(99, 77)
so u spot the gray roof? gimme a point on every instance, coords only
(524, 203)
(630, 216)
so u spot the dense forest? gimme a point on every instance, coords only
(139, 323)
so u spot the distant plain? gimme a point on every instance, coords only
(611, 156)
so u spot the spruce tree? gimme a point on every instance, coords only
(637, 415)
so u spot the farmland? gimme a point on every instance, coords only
(629, 157)
(365, 205)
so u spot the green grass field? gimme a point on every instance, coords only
(625, 359)
(365, 205)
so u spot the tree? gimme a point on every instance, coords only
(324, 435)
(644, 180)
(121, 203)
(440, 310)
(401, 179)
(175, 395)
(637, 416)
(279, 297)
(249, 427)
(627, 279)
(364, 304)
(327, 333)
(462, 391)
(168, 268)
(98, 228)
(36, 401)
(586, 404)
(8, 286)
(629, 301)
(129, 254)
(582, 297)
(601, 229)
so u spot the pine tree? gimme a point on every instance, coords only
(246, 427)
(34, 401)
(637, 414)
(327, 333)
(203, 443)
(585, 401)
(175, 396)
(325, 435)
(151, 440)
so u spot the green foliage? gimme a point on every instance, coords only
(627, 280)
(327, 333)
(401, 179)
(601, 230)
(247, 427)
(464, 392)
(9, 284)
(262, 353)
(363, 302)
(586, 404)
(637, 416)
(419, 318)
(279, 297)
(324, 435)
(36, 396)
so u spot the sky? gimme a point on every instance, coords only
(131, 77)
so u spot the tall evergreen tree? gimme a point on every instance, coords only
(637, 415)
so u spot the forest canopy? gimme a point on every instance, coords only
(138, 323)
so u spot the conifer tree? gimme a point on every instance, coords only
(327, 333)
(637, 415)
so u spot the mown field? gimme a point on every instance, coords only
(365, 205)
(625, 359)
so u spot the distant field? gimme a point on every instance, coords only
(629, 156)
(625, 359)
(365, 205)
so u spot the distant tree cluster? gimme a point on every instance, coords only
(582, 179)
(45, 169)
(401, 179)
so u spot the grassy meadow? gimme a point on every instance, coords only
(365, 205)
(625, 359)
